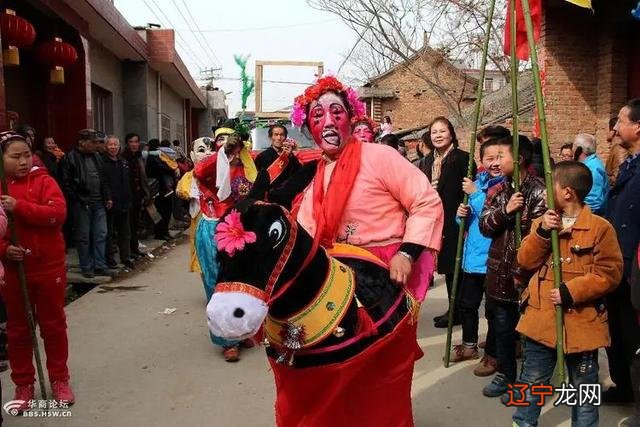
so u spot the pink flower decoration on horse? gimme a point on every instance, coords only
(231, 235)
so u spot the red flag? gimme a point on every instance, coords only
(522, 47)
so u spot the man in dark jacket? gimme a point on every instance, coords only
(278, 159)
(140, 194)
(504, 276)
(118, 223)
(623, 212)
(157, 168)
(87, 189)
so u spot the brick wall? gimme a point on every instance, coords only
(415, 103)
(585, 65)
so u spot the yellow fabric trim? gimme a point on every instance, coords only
(322, 316)
(223, 131)
(168, 161)
(250, 171)
(183, 189)
(344, 250)
(581, 3)
(194, 264)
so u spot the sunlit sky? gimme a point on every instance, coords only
(263, 29)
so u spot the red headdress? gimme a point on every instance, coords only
(323, 85)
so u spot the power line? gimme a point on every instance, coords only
(204, 48)
(194, 58)
(269, 81)
(171, 25)
(273, 27)
(200, 32)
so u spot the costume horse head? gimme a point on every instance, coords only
(316, 307)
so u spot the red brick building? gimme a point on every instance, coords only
(407, 98)
(591, 66)
(125, 79)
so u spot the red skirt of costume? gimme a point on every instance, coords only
(371, 389)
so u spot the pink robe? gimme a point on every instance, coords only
(392, 201)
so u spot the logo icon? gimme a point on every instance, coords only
(12, 407)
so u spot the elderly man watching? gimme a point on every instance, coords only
(584, 148)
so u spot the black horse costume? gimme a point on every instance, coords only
(340, 336)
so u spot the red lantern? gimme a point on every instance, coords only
(57, 54)
(16, 33)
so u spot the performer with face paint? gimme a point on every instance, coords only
(219, 179)
(364, 129)
(188, 189)
(366, 195)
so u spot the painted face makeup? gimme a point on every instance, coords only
(201, 149)
(363, 133)
(328, 121)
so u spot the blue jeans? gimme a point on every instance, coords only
(90, 221)
(504, 318)
(538, 366)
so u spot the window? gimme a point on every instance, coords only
(488, 84)
(102, 104)
(180, 133)
(166, 127)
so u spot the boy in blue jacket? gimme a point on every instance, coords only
(474, 264)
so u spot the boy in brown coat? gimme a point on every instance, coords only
(591, 267)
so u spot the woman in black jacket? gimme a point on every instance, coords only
(445, 167)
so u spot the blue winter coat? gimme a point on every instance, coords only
(597, 197)
(476, 246)
(623, 210)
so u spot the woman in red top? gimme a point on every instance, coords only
(39, 211)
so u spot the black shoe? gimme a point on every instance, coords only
(163, 237)
(112, 264)
(109, 272)
(88, 274)
(129, 264)
(443, 322)
(138, 254)
(614, 396)
(445, 316)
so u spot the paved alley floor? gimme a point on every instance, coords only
(133, 365)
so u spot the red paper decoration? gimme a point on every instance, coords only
(17, 33)
(58, 55)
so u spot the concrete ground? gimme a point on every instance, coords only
(132, 365)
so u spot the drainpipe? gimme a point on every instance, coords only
(159, 96)
(185, 116)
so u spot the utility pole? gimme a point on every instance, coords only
(209, 75)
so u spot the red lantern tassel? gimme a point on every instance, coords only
(366, 326)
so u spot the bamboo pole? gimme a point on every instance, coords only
(472, 149)
(548, 178)
(516, 119)
(22, 278)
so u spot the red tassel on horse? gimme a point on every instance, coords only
(366, 326)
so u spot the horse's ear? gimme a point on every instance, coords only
(261, 186)
(286, 193)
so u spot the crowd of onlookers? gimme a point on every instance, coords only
(103, 195)
(596, 213)
(116, 191)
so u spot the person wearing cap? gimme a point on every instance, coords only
(87, 189)
(38, 208)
